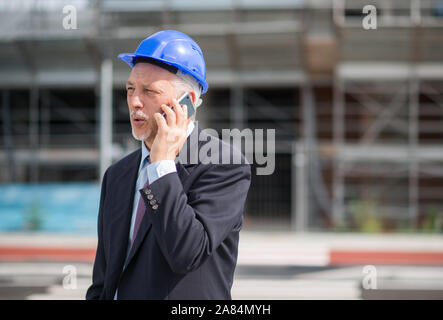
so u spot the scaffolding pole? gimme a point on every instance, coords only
(34, 131)
(45, 119)
(299, 207)
(105, 115)
(413, 145)
(338, 138)
(237, 107)
(7, 135)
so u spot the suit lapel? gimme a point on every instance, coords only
(143, 230)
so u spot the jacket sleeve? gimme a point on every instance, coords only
(189, 228)
(98, 274)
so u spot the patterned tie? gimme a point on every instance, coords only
(140, 210)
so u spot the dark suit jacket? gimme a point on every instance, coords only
(186, 248)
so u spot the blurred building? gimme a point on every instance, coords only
(358, 113)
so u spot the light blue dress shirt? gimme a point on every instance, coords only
(151, 171)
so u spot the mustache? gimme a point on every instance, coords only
(139, 113)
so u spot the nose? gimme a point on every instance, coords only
(135, 102)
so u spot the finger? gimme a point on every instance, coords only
(182, 116)
(170, 115)
(161, 122)
(179, 113)
(185, 112)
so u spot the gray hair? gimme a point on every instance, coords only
(186, 82)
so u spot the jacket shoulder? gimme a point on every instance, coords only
(126, 161)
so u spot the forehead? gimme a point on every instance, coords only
(147, 72)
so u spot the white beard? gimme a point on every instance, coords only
(146, 135)
(142, 137)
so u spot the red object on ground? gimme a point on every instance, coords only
(355, 257)
(336, 256)
(46, 254)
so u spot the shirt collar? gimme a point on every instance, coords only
(145, 150)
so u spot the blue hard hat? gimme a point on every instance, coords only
(175, 49)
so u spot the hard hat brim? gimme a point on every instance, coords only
(129, 58)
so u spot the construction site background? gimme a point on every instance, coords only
(353, 90)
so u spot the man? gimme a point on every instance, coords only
(168, 227)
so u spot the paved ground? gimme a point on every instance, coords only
(270, 266)
(42, 280)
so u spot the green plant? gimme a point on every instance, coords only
(33, 217)
(432, 221)
(366, 216)
(404, 227)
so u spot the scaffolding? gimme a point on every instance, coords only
(387, 113)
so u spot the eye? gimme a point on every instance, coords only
(129, 88)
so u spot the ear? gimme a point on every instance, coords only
(192, 94)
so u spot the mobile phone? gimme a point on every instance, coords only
(185, 99)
